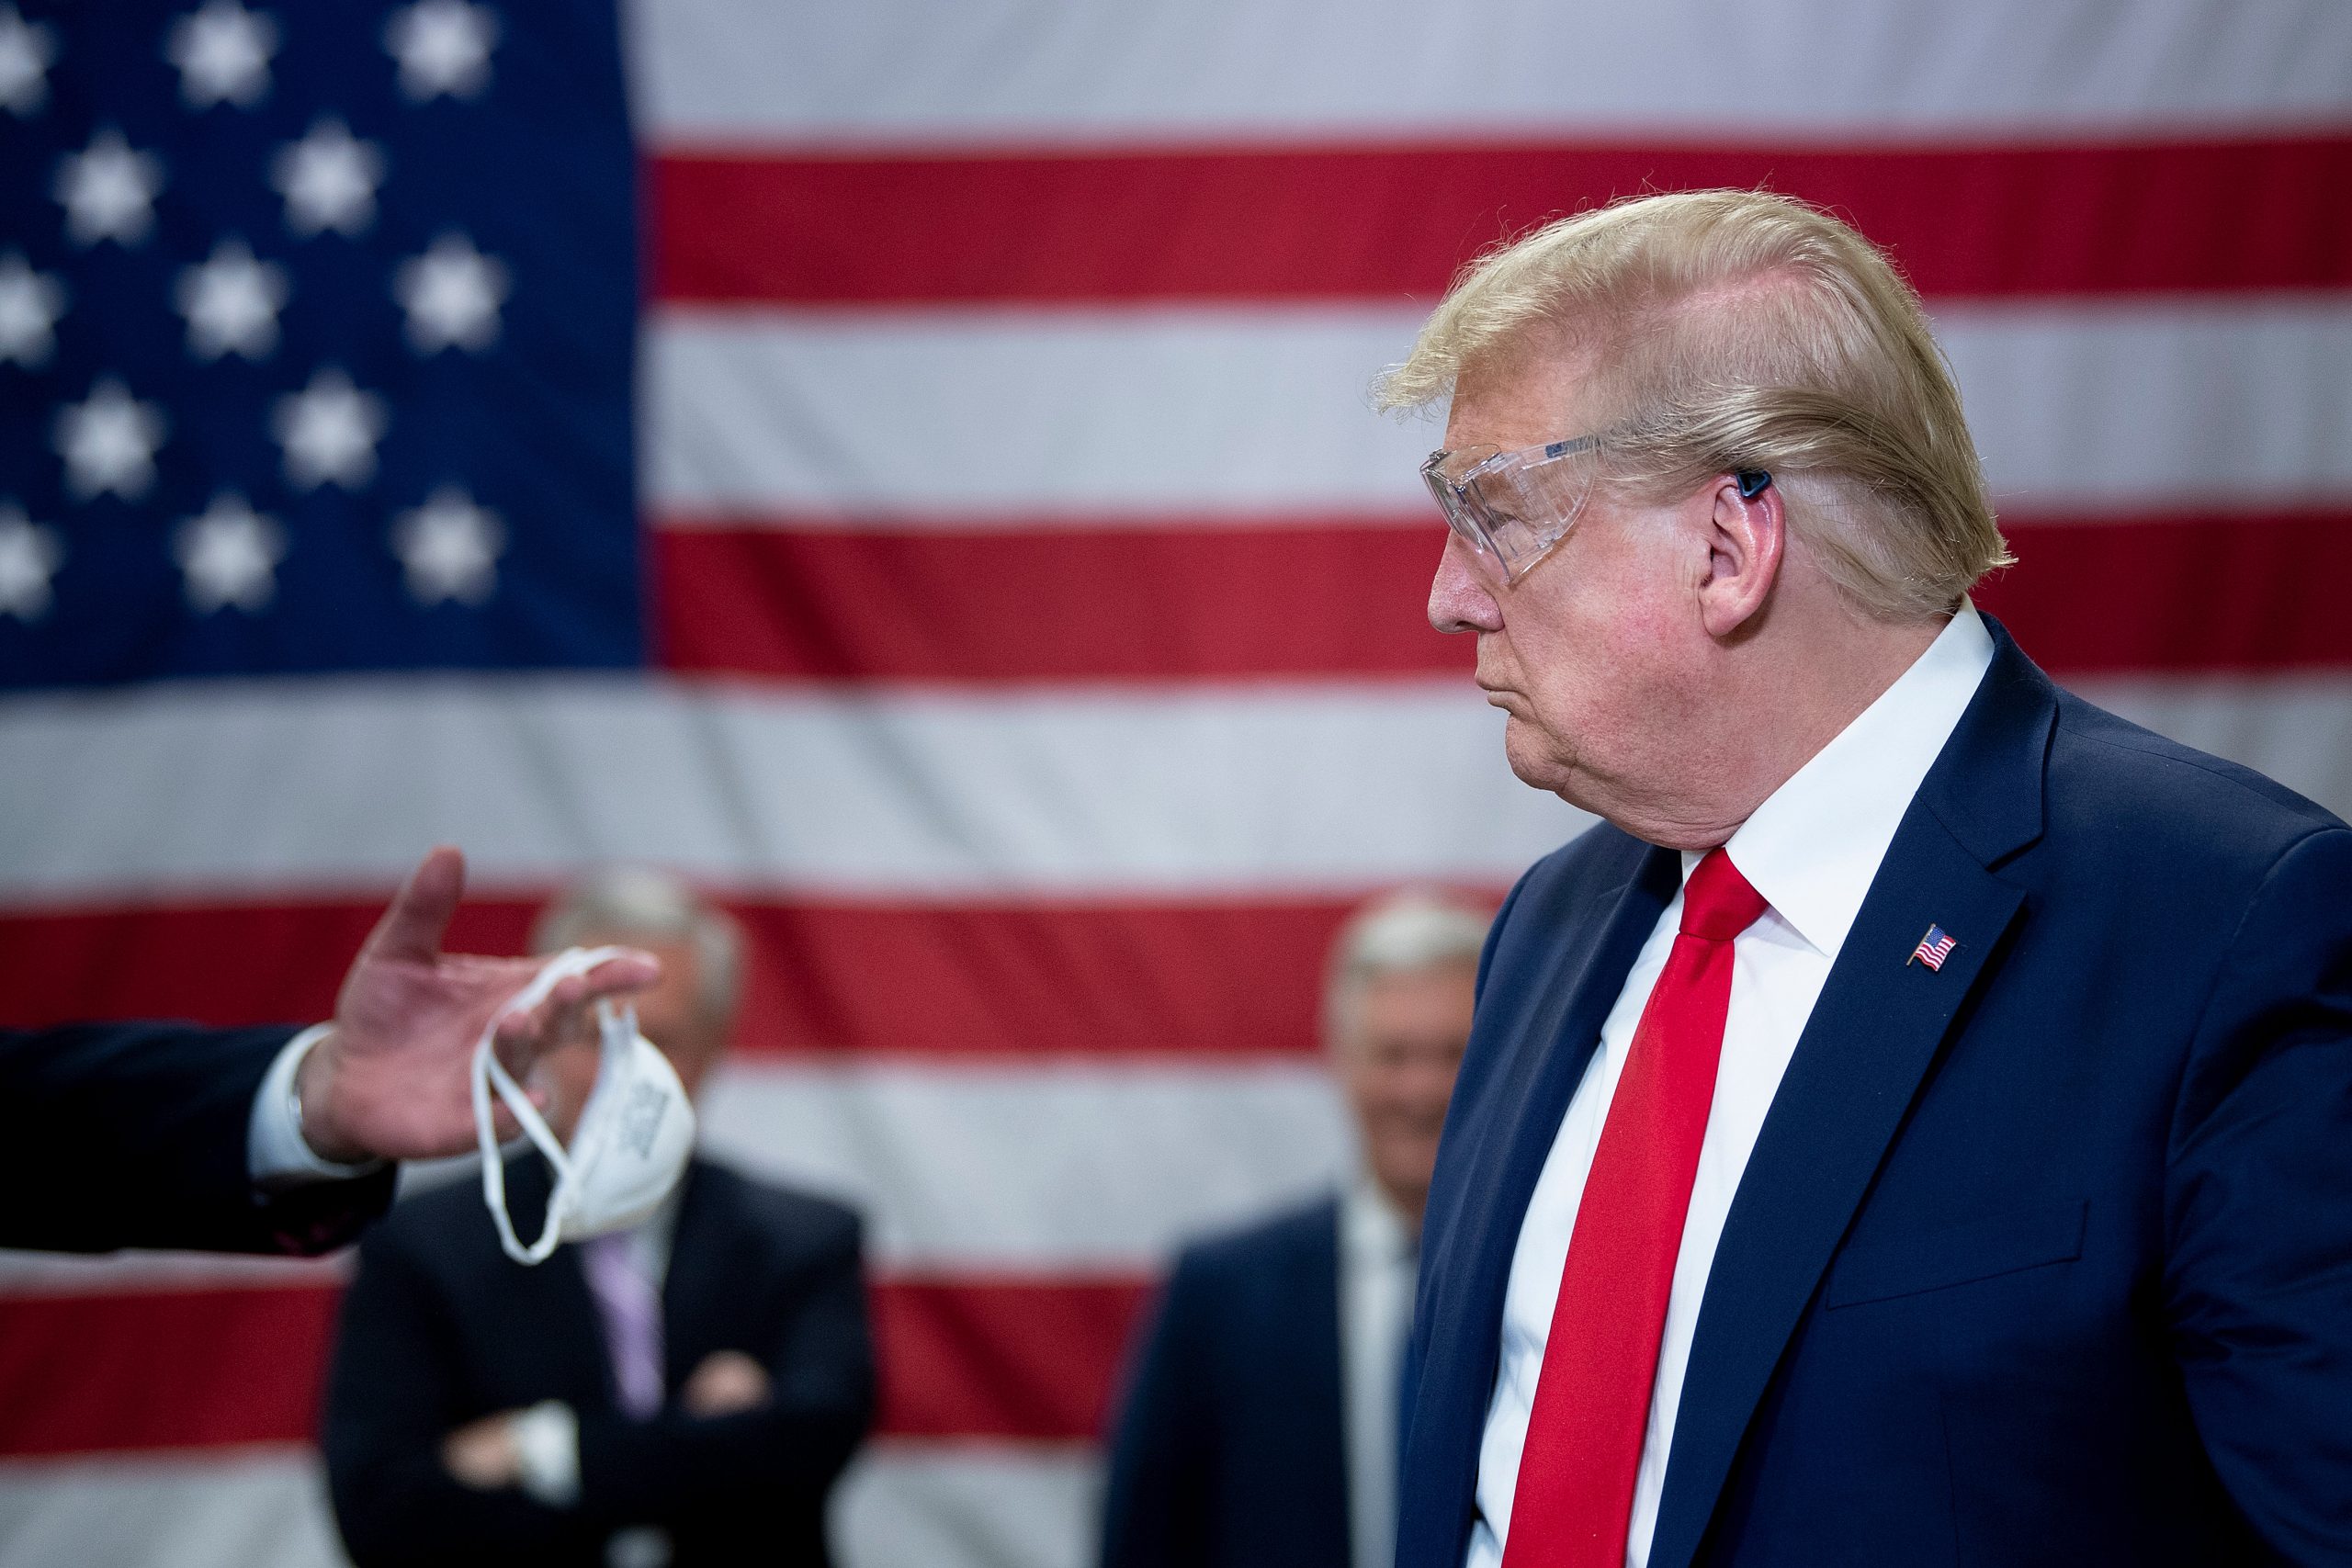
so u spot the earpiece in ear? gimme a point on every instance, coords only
(1752, 482)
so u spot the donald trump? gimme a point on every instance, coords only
(1915, 1126)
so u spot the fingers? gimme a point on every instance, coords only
(560, 1011)
(627, 971)
(562, 1015)
(411, 928)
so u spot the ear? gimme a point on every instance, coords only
(1746, 534)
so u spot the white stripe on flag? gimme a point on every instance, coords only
(940, 1505)
(1074, 1166)
(260, 1507)
(1035, 71)
(986, 417)
(339, 783)
(968, 1505)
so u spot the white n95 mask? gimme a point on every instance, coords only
(633, 1140)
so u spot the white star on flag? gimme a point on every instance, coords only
(443, 47)
(222, 53)
(452, 294)
(329, 430)
(108, 443)
(329, 180)
(229, 556)
(450, 548)
(29, 556)
(108, 191)
(31, 303)
(232, 303)
(27, 49)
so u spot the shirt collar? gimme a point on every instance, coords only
(1813, 847)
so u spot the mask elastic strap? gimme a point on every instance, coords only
(490, 1073)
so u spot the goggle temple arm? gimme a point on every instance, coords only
(1752, 482)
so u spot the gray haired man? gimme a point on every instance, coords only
(655, 1397)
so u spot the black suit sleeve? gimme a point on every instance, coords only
(1156, 1505)
(395, 1390)
(133, 1135)
(689, 1472)
(2259, 1209)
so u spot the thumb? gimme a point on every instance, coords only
(411, 928)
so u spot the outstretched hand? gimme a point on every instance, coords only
(392, 1080)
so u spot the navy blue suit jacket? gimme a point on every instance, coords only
(2044, 1258)
(133, 1135)
(1227, 1451)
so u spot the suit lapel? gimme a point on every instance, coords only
(1871, 1042)
(1545, 1060)
(567, 1331)
(694, 1283)
(1315, 1302)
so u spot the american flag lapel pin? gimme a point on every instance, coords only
(1933, 949)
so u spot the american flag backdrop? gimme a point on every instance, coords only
(908, 465)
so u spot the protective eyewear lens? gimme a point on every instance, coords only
(1512, 508)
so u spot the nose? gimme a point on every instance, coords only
(1460, 600)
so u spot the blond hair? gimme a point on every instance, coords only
(1737, 330)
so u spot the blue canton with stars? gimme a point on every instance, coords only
(317, 330)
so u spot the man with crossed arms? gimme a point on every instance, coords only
(1915, 1126)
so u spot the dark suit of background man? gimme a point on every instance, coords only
(1259, 1427)
(273, 1139)
(1916, 1127)
(684, 1392)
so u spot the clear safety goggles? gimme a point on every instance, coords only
(1512, 508)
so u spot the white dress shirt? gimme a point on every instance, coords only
(1811, 850)
(1379, 1254)
(276, 1151)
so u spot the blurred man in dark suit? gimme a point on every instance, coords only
(659, 1395)
(279, 1138)
(1259, 1426)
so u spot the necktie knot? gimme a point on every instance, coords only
(1717, 902)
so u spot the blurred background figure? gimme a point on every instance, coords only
(659, 1395)
(1261, 1424)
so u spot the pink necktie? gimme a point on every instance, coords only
(1575, 1497)
(631, 1309)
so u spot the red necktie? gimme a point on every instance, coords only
(1575, 1494)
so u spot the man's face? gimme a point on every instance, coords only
(1397, 1048)
(667, 1014)
(1592, 654)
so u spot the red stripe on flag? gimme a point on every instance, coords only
(161, 1369)
(1027, 980)
(193, 1369)
(215, 963)
(1017, 1358)
(1304, 222)
(1136, 603)
(2186, 595)
(1324, 600)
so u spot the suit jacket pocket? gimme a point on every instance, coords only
(1981, 1249)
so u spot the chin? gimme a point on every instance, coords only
(1534, 757)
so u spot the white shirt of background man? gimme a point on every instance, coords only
(1811, 850)
(1378, 1259)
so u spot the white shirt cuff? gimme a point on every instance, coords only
(547, 1441)
(275, 1151)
